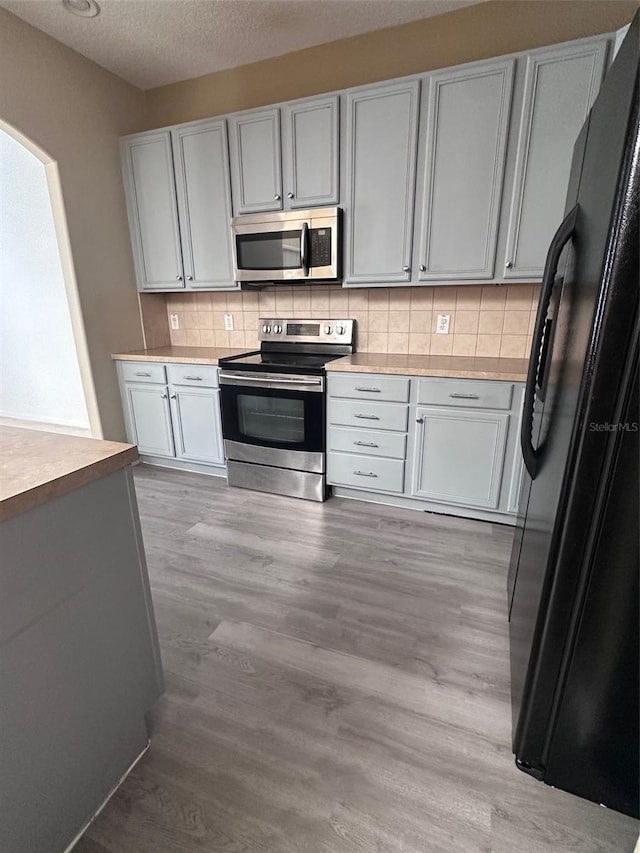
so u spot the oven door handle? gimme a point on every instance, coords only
(271, 381)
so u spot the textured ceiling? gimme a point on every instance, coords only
(154, 42)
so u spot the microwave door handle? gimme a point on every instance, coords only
(304, 248)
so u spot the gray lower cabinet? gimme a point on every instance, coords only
(179, 207)
(560, 86)
(256, 171)
(467, 122)
(172, 411)
(382, 132)
(460, 456)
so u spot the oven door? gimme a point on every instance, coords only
(271, 251)
(274, 419)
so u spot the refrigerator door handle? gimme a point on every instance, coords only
(559, 241)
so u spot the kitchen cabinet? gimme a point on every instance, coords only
(256, 174)
(311, 152)
(153, 215)
(560, 86)
(381, 140)
(179, 206)
(459, 456)
(172, 412)
(465, 137)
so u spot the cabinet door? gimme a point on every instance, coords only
(381, 144)
(465, 148)
(310, 152)
(197, 424)
(459, 456)
(150, 418)
(560, 86)
(153, 215)
(204, 200)
(254, 143)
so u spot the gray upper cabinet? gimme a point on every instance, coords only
(382, 129)
(310, 152)
(256, 177)
(153, 215)
(467, 122)
(204, 202)
(560, 87)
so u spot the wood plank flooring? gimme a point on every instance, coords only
(337, 682)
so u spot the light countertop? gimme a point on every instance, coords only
(180, 355)
(452, 366)
(36, 467)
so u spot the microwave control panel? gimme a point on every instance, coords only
(320, 246)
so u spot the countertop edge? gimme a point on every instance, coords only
(42, 493)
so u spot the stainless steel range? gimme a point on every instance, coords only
(273, 406)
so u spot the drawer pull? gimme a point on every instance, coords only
(141, 373)
(193, 378)
(365, 474)
(366, 443)
(368, 390)
(464, 396)
(368, 417)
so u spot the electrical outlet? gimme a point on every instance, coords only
(228, 322)
(174, 320)
(442, 324)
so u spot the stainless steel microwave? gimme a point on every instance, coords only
(301, 245)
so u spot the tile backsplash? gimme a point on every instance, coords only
(485, 321)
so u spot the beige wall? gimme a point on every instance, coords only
(74, 111)
(485, 321)
(476, 32)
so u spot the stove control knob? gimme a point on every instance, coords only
(266, 329)
(277, 329)
(340, 330)
(327, 330)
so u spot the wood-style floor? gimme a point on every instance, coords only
(337, 682)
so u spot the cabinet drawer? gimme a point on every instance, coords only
(392, 389)
(365, 472)
(197, 375)
(478, 394)
(143, 371)
(369, 442)
(368, 415)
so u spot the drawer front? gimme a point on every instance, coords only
(365, 472)
(368, 415)
(368, 442)
(478, 394)
(196, 375)
(143, 371)
(392, 389)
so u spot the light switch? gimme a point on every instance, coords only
(442, 324)
(228, 322)
(175, 322)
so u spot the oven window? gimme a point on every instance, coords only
(276, 420)
(271, 250)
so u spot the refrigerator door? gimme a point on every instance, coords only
(592, 310)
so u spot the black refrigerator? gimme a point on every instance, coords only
(573, 578)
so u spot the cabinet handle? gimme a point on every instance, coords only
(174, 396)
(366, 443)
(365, 474)
(464, 396)
(178, 278)
(419, 420)
(193, 378)
(289, 195)
(164, 396)
(368, 417)
(364, 388)
(141, 373)
(406, 269)
(277, 196)
(509, 265)
(423, 268)
(189, 278)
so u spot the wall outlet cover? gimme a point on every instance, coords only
(442, 324)
(228, 322)
(174, 320)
